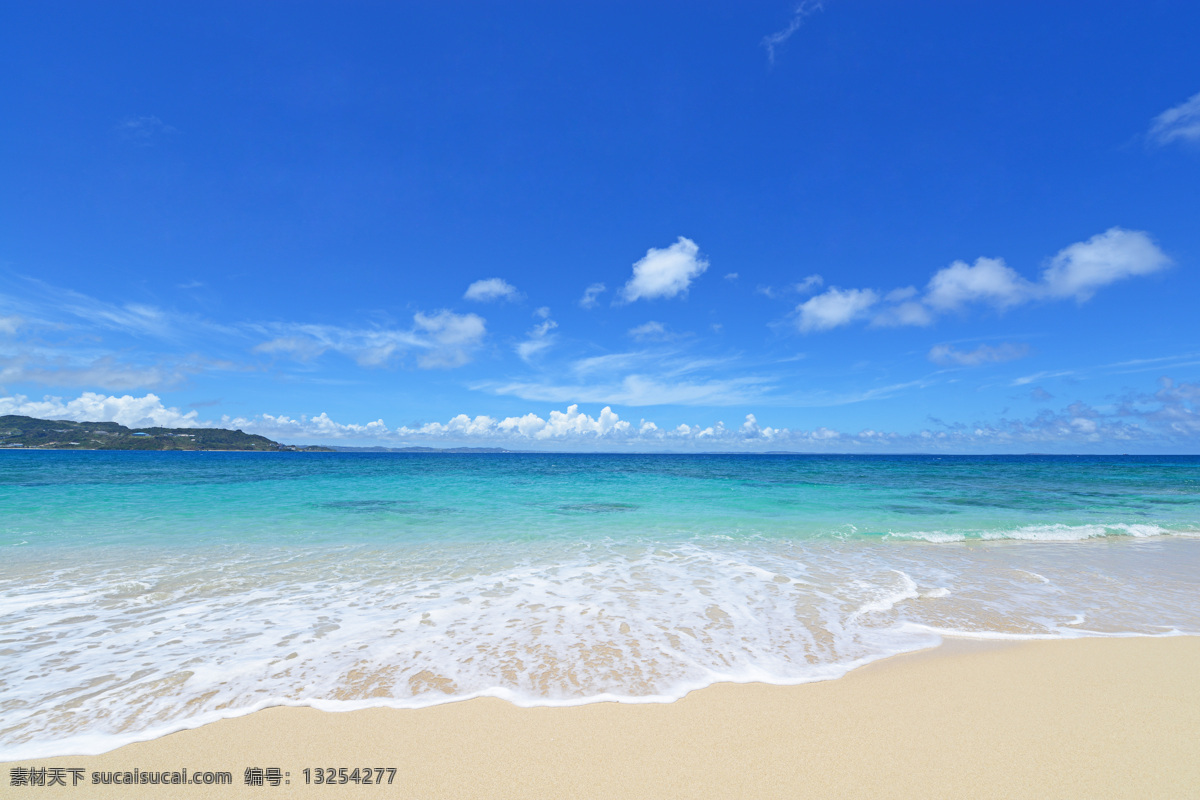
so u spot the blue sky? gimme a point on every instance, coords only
(837, 226)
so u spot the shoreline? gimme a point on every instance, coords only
(1087, 717)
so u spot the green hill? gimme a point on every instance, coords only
(17, 431)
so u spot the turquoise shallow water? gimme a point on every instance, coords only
(143, 592)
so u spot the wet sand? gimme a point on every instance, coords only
(1084, 718)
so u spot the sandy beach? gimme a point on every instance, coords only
(1076, 718)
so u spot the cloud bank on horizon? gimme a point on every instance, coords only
(1138, 420)
(615, 237)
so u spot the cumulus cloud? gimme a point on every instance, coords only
(1082, 268)
(319, 428)
(132, 412)
(1077, 271)
(485, 291)
(989, 280)
(946, 355)
(833, 308)
(638, 390)
(572, 424)
(1178, 124)
(1169, 416)
(591, 295)
(666, 272)
(901, 309)
(1175, 406)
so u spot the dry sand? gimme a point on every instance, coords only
(1084, 718)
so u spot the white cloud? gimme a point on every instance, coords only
(807, 286)
(651, 331)
(9, 325)
(143, 130)
(666, 272)
(833, 308)
(132, 412)
(133, 318)
(301, 348)
(539, 339)
(40, 366)
(989, 280)
(611, 362)
(731, 276)
(1167, 417)
(1181, 123)
(909, 312)
(319, 428)
(575, 426)
(485, 291)
(451, 338)
(590, 295)
(946, 355)
(572, 424)
(1082, 268)
(442, 339)
(1025, 380)
(802, 9)
(1078, 271)
(810, 283)
(638, 390)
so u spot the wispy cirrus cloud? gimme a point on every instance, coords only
(539, 338)
(440, 340)
(591, 295)
(652, 331)
(143, 130)
(946, 355)
(1180, 123)
(105, 372)
(806, 286)
(800, 12)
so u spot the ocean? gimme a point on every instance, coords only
(142, 593)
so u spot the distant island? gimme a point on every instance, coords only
(452, 450)
(59, 434)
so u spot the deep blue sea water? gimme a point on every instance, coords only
(144, 592)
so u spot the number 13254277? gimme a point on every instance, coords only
(340, 775)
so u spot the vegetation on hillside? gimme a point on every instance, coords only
(18, 431)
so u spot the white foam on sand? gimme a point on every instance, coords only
(140, 643)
